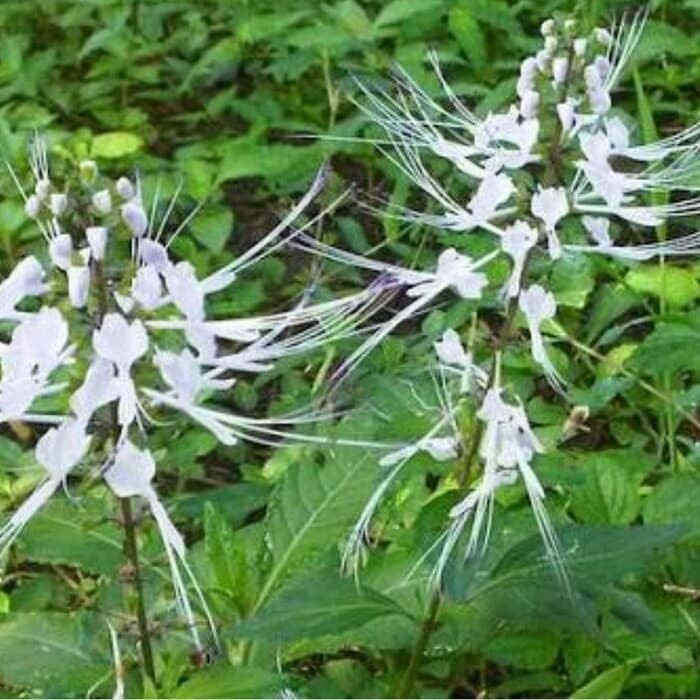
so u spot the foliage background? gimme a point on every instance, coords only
(218, 93)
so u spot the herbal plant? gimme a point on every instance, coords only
(110, 334)
(465, 591)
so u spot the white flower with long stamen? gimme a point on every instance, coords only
(455, 358)
(153, 347)
(539, 306)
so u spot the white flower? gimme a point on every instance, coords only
(131, 474)
(517, 241)
(539, 306)
(120, 342)
(454, 357)
(147, 287)
(550, 205)
(529, 104)
(185, 290)
(25, 280)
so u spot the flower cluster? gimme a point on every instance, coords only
(554, 175)
(108, 330)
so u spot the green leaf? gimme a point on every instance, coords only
(63, 533)
(212, 228)
(321, 604)
(466, 30)
(671, 347)
(402, 10)
(227, 558)
(675, 500)
(55, 654)
(677, 286)
(312, 507)
(608, 684)
(226, 681)
(610, 494)
(115, 144)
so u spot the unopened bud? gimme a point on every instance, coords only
(591, 77)
(78, 286)
(88, 171)
(32, 206)
(602, 36)
(566, 113)
(528, 68)
(42, 189)
(580, 47)
(125, 189)
(135, 218)
(61, 251)
(550, 44)
(600, 100)
(560, 69)
(602, 65)
(547, 27)
(543, 59)
(58, 202)
(102, 201)
(529, 104)
(97, 239)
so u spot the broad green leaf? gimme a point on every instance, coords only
(54, 654)
(226, 681)
(670, 347)
(212, 228)
(313, 507)
(465, 28)
(608, 684)
(521, 650)
(402, 10)
(317, 605)
(77, 535)
(115, 144)
(675, 285)
(675, 500)
(610, 494)
(227, 558)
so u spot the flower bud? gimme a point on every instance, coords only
(602, 36)
(566, 112)
(550, 44)
(97, 239)
(591, 77)
(560, 68)
(547, 27)
(529, 104)
(88, 171)
(78, 285)
(570, 26)
(543, 59)
(600, 100)
(32, 206)
(61, 251)
(154, 254)
(528, 68)
(42, 189)
(580, 47)
(125, 189)
(58, 202)
(524, 85)
(102, 201)
(134, 217)
(602, 65)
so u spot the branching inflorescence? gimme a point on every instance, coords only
(112, 331)
(555, 175)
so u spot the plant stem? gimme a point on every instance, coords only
(130, 543)
(406, 684)
(132, 553)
